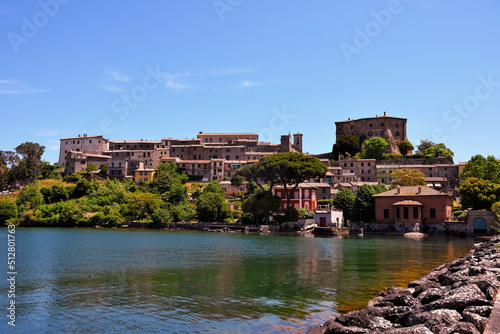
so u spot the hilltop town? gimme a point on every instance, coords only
(373, 180)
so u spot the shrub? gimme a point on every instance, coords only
(247, 218)
(291, 214)
(305, 214)
(161, 216)
(325, 202)
(8, 209)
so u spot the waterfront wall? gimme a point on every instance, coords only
(457, 297)
(467, 227)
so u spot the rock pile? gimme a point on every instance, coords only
(455, 298)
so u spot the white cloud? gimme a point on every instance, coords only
(114, 89)
(171, 84)
(115, 76)
(249, 83)
(229, 71)
(11, 87)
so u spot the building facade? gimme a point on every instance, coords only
(304, 196)
(85, 144)
(432, 172)
(208, 157)
(393, 129)
(413, 204)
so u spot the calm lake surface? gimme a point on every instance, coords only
(112, 281)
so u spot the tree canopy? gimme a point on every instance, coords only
(345, 145)
(479, 194)
(364, 203)
(438, 151)
(345, 200)
(405, 147)
(482, 168)
(30, 164)
(287, 169)
(407, 177)
(374, 148)
(424, 145)
(211, 206)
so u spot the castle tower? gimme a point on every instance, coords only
(297, 141)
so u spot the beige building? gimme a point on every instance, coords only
(210, 156)
(79, 161)
(448, 171)
(85, 144)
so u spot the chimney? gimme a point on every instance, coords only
(398, 191)
(385, 114)
(419, 190)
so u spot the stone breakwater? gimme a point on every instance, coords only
(455, 298)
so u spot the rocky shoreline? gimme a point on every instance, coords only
(455, 298)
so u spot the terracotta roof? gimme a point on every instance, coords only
(436, 179)
(377, 117)
(301, 185)
(225, 134)
(322, 184)
(411, 191)
(408, 202)
(84, 137)
(135, 141)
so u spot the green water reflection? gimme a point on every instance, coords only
(83, 280)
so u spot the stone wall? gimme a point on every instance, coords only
(455, 228)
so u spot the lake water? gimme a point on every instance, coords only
(139, 281)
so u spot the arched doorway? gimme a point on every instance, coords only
(480, 226)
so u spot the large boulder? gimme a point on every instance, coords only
(434, 319)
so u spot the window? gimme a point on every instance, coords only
(362, 164)
(140, 173)
(370, 125)
(220, 140)
(345, 164)
(405, 212)
(433, 213)
(352, 165)
(386, 213)
(397, 213)
(381, 124)
(90, 141)
(415, 212)
(397, 133)
(227, 157)
(362, 171)
(397, 125)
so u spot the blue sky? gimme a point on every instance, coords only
(153, 69)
